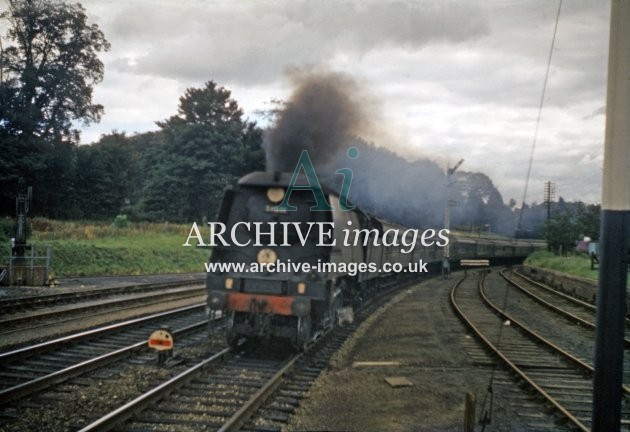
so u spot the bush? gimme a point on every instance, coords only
(7, 228)
(121, 221)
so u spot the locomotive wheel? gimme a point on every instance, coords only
(230, 334)
(303, 332)
(357, 298)
(351, 293)
(334, 310)
(211, 322)
(232, 339)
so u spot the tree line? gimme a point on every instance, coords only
(177, 173)
(49, 66)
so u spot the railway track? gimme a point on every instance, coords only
(560, 378)
(567, 320)
(29, 321)
(12, 305)
(257, 389)
(213, 395)
(573, 309)
(37, 367)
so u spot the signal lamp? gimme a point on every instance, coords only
(301, 288)
(229, 283)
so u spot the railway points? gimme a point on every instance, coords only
(414, 337)
(80, 303)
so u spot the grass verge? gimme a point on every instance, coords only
(576, 265)
(100, 249)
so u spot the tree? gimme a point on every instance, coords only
(48, 67)
(588, 220)
(205, 147)
(107, 177)
(561, 232)
(575, 221)
(479, 203)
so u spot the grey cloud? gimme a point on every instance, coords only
(255, 43)
(463, 57)
(410, 24)
(599, 111)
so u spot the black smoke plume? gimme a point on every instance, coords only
(324, 111)
(328, 113)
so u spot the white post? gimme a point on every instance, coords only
(615, 229)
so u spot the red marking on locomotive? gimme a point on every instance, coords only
(242, 302)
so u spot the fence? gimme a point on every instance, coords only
(30, 270)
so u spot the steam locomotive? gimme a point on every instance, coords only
(295, 283)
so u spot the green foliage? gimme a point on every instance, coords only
(588, 220)
(49, 66)
(121, 221)
(45, 230)
(577, 265)
(561, 233)
(573, 224)
(125, 255)
(478, 203)
(204, 148)
(7, 229)
(176, 174)
(91, 249)
(107, 178)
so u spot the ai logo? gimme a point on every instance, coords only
(315, 186)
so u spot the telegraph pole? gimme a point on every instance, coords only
(550, 194)
(615, 229)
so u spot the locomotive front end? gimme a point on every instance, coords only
(264, 276)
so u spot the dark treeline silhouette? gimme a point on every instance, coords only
(175, 174)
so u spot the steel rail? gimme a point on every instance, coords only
(40, 383)
(28, 351)
(586, 305)
(574, 420)
(532, 334)
(555, 308)
(238, 419)
(47, 299)
(546, 304)
(580, 363)
(129, 300)
(126, 411)
(241, 416)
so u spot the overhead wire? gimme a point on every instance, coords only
(540, 108)
(486, 418)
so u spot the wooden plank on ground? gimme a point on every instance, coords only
(374, 363)
(474, 262)
(398, 382)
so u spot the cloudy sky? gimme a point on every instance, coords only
(452, 79)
